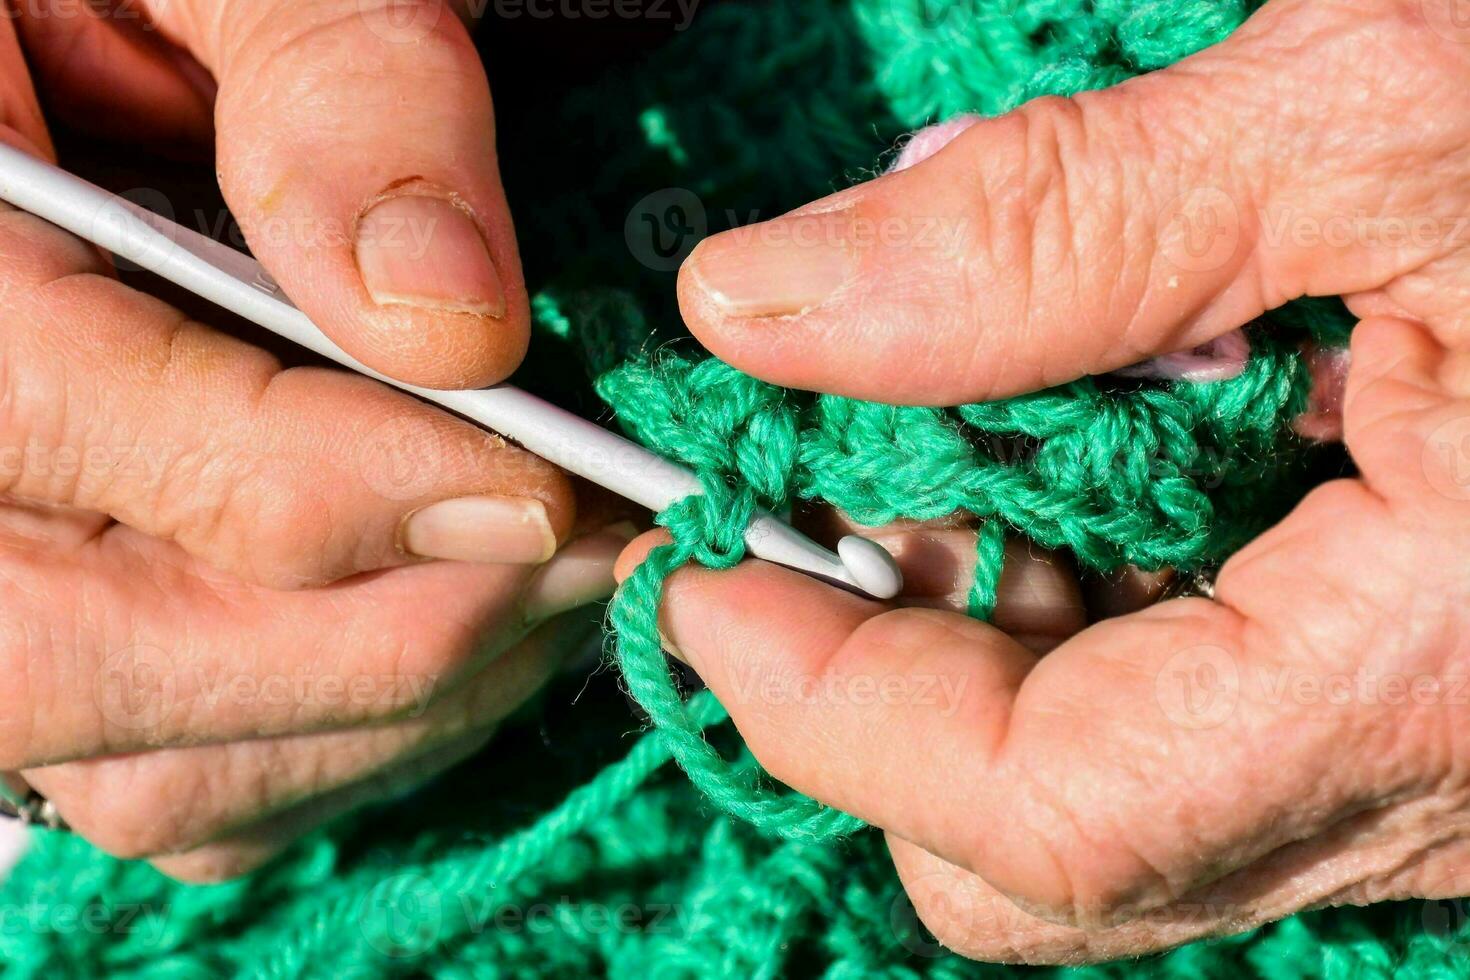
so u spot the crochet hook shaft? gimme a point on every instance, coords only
(238, 283)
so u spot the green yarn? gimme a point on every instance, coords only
(1150, 476)
(572, 847)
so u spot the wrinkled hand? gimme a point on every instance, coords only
(220, 622)
(1196, 767)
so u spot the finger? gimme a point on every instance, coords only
(25, 527)
(1124, 591)
(282, 477)
(969, 917)
(1037, 600)
(580, 573)
(126, 645)
(174, 800)
(106, 70)
(1403, 852)
(1081, 235)
(20, 114)
(1086, 779)
(357, 150)
(254, 846)
(1403, 424)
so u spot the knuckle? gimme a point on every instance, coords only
(953, 917)
(1046, 211)
(281, 532)
(1052, 139)
(308, 44)
(32, 635)
(966, 915)
(952, 924)
(260, 517)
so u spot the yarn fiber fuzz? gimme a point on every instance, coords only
(590, 839)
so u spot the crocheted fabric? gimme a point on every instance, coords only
(577, 845)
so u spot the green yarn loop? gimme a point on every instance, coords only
(735, 788)
(572, 847)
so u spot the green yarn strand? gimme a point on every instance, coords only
(695, 862)
(735, 790)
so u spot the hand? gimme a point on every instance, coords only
(1196, 767)
(221, 622)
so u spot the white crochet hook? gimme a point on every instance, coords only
(238, 283)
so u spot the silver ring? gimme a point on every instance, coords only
(30, 808)
(1198, 584)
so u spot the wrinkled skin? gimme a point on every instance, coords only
(1195, 767)
(214, 634)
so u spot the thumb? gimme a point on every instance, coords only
(357, 151)
(1075, 236)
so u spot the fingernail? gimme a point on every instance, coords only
(582, 573)
(783, 267)
(936, 562)
(670, 649)
(498, 530)
(426, 252)
(625, 530)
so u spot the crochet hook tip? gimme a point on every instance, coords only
(872, 568)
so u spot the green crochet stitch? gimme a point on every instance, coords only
(573, 848)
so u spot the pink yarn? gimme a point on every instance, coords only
(1216, 360)
(1322, 420)
(930, 140)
